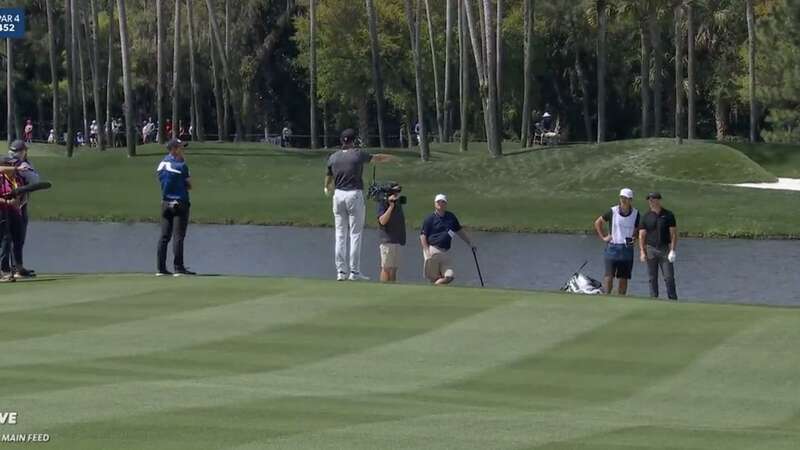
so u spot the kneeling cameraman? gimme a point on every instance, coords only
(392, 229)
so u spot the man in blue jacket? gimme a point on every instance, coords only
(173, 174)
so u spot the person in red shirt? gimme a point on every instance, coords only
(168, 129)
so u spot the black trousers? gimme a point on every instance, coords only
(657, 259)
(12, 238)
(174, 221)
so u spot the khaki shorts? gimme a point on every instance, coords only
(390, 256)
(438, 266)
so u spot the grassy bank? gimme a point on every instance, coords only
(560, 189)
(135, 362)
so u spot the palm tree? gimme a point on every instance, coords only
(176, 73)
(51, 28)
(69, 44)
(230, 85)
(447, 103)
(10, 89)
(690, 88)
(377, 74)
(678, 72)
(463, 59)
(658, 61)
(198, 132)
(312, 66)
(528, 18)
(439, 117)
(160, 70)
(412, 17)
(107, 121)
(127, 83)
(602, 62)
(218, 102)
(98, 107)
(751, 62)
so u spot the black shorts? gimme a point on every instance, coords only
(616, 268)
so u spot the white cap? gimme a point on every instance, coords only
(547, 114)
(440, 198)
(627, 193)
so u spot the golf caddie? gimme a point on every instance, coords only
(436, 238)
(344, 180)
(658, 239)
(623, 226)
(173, 175)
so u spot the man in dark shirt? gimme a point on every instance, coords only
(392, 231)
(436, 238)
(658, 239)
(345, 168)
(173, 175)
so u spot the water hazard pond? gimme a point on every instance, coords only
(720, 271)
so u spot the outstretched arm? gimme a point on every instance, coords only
(463, 235)
(379, 158)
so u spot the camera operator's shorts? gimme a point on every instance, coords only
(438, 266)
(390, 256)
(619, 261)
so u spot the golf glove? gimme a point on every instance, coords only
(671, 256)
(327, 191)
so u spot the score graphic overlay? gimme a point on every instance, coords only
(12, 23)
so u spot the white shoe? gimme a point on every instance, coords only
(341, 276)
(356, 276)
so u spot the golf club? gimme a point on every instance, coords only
(28, 189)
(563, 288)
(478, 266)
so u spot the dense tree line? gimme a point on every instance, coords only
(462, 69)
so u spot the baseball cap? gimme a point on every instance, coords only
(655, 195)
(440, 198)
(348, 135)
(176, 143)
(627, 193)
(17, 146)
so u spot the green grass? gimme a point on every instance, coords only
(135, 362)
(560, 189)
(783, 160)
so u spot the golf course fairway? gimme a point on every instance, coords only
(138, 362)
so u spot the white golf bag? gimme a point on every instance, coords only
(582, 284)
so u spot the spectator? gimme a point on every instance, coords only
(168, 129)
(93, 130)
(28, 132)
(286, 136)
(51, 138)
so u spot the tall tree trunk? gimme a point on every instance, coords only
(463, 58)
(82, 72)
(233, 85)
(499, 64)
(658, 61)
(176, 72)
(602, 61)
(377, 73)
(108, 119)
(645, 77)
(439, 117)
(528, 18)
(51, 32)
(68, 44)
(678, 74)
(493, 128)
(447, 101)
(218, 103)
(485, 63)
(751, 62)
(691, 125)
(325, 124)
(161, 117)
(584, 85)
(312, 19)
(226, 91)
(127, 83)
(412, 17)
(362, 106)
(721, 116)
(98, 106)
(197, 121)
(10, 90)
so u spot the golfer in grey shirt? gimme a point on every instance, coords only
(344, 181)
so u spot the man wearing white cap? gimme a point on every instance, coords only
(623, 221)
(436, 238)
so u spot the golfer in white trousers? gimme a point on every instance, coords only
(344, 179)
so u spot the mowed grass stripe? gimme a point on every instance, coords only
(331, 333)
(558, 377)
(466, 347)
(117, 307)
(176, 330)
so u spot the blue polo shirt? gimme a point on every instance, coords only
(439, 230)
(173, 174)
